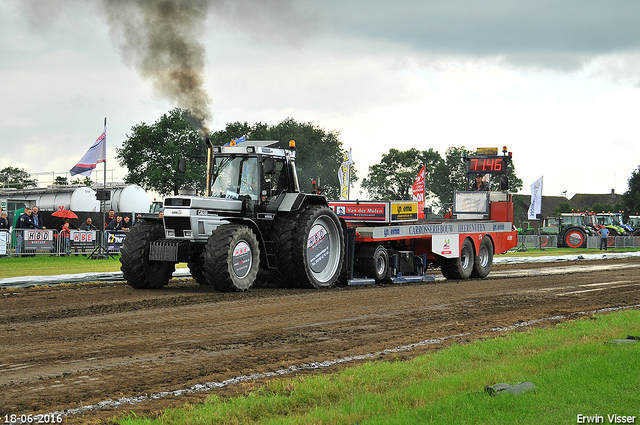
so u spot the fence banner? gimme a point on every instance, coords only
(82, 239)
(114, 240)
(4, 241)
(38, 239)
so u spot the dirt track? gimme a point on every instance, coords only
(68, 347)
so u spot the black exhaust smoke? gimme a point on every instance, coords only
(159, 38)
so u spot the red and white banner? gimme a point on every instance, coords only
(418, 192)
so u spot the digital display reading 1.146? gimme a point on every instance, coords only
(496, 164)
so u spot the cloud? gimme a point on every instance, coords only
(548, 34)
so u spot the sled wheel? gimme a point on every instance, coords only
(373, 261)
(574, 238)
(231, 258)
(459, 268)
(484, 260)
(138, 271)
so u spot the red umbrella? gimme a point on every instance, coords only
(64, 214)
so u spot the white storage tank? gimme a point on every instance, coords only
(83, 199)
(131, 198)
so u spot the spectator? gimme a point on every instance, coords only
(115, 224)
(65, 233)
(36, 218)
(604, 238)
(4, 223)
(24, 222)
(62, 223)
(88, 225)
(126, 223)
(4, 227)
(112, 216)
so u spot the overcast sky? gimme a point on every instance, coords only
(558, 83)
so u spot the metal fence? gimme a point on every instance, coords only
(551, 241)
(32, 242)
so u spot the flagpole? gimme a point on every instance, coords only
(104, 183)
(103, 203)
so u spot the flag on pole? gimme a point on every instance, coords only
(96, 153)
(344, 176)
(236, 141)
(418, 191)
(536, 199)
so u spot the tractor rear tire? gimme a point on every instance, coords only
(459, 268)
(484, 260)
(575, 238)
(138, 271)
(319, 239)
(231, 258)
(310, 248)
(281, 233)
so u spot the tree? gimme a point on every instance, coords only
(151, 154)
(86, 181)
(61, 181)
(393, 177)
(15, 177)
(563, 207)
(631, 198)
(319, 152)
(450, 175)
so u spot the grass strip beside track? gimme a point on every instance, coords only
(46, 265)
(576, 373)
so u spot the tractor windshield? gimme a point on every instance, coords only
(573, 220)
(235, 176)
(617, 219)
(606, 220)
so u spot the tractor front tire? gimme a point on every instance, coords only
(231, 258)
(138, 271)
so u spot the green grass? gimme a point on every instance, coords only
(45, 265)
(574, 370)
(561, 251)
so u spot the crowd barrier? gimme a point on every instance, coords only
(32, 242)
(551, 241)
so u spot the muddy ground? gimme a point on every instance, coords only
(73, 347)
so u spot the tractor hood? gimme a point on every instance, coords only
(207, 204)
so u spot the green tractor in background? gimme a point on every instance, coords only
(571, 228)
(614, 222)
(634, 222)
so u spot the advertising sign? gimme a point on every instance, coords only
(404, 211)
(82, 239)
(4, 238)
(38, 239)
(360, 211)
(115, 240)
(447, 246)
